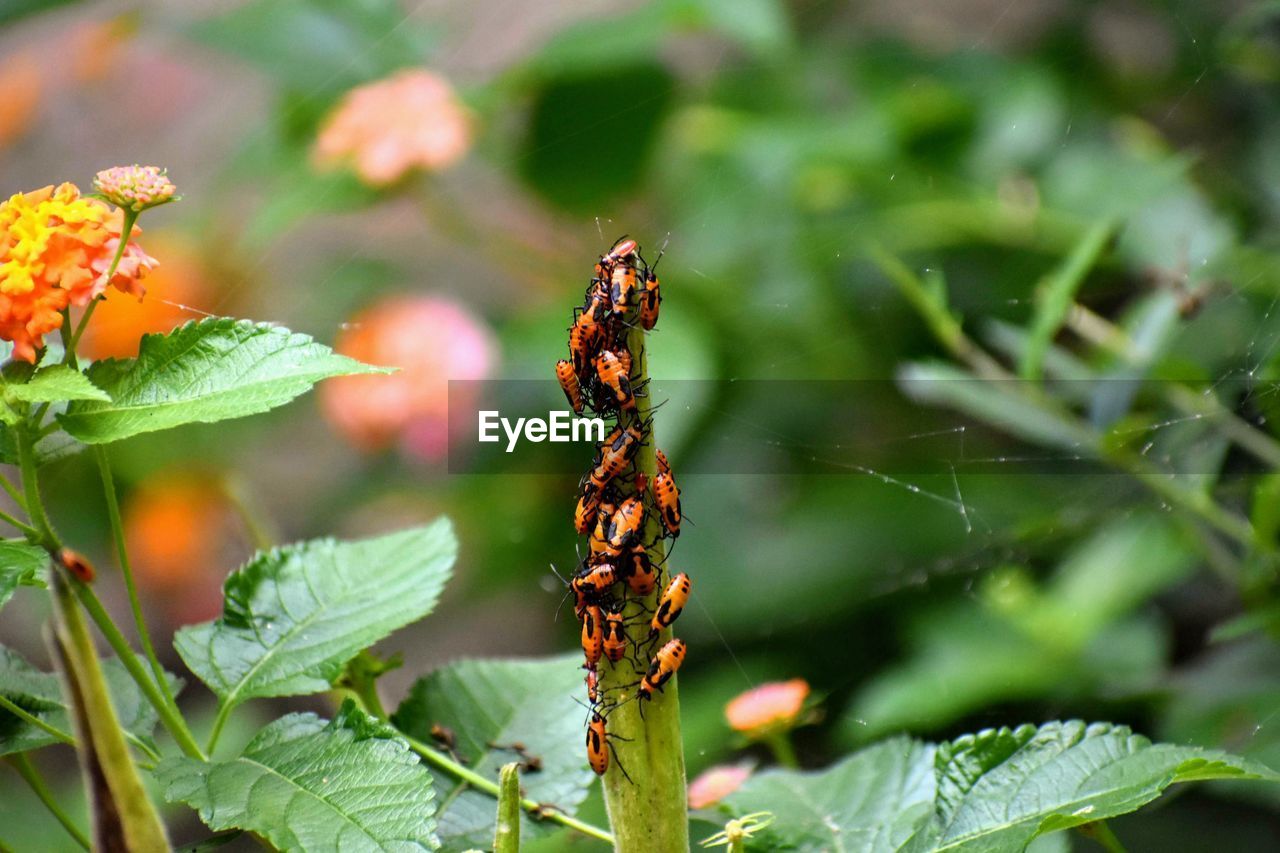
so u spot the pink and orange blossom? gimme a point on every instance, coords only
(386, 129)
(431, 340)
(56, 249)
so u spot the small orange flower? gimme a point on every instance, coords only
(431, 340)
(22, 84)
(182, 532)
(771, 707)
(716, 783)
(411, 120)
(55, 250)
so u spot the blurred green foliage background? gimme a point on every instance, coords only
(1059, 189)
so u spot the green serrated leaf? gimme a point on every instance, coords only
(20, 563)
(54, 385)
(503, 702)
(999, 789)
(993, 792)
(873, 801)
(304, 784)
(41, 694)
(294, 616)
(202, 372)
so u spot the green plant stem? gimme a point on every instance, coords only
(950, 334)
(1101, 833)
(122, 554)
(13, 492)
(31, 776)
(1104, 334)
(48, 539)
(219, 720)
(475, 780)
(779, 744)
(126, 231)
(506, 833)
(649, 810)
(169, 714)
(26, 529)
(31, 719)
(480, 783)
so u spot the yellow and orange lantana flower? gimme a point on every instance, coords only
(55, 251)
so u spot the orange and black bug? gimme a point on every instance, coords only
(615, 455)
(664, 665)
(622, 286)
(664, 467)
(667, 498)
(627, 522)
(593, 685)
(670, 603)
(75, 562)
(624, 356)
(599, 746)
(593, 584)
(642, 575)
(588, 506)
(614, 377)
(622, 249)
(650, 300)
(598, 544)
(569, 383)
(592, 635)
(615, 637)
(587, 334)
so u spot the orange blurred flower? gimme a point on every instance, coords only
(431, 340)
(22, 86)
(183, 533)
(55, 250)
(94, 46)
(387, 128)
(769, 708)
(120, 322)
(716, 783)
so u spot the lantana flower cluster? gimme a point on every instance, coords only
(56, 250)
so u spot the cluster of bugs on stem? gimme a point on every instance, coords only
(615, 498)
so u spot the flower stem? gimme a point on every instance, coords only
(22, 764)
(46, 537)
(126, 231)
(122, 553)
(779, 744)
(649, 811)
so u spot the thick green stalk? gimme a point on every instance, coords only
(649, 811)
(124, 816)
(48, 539)
(122, 553)
(22, 764)
(506, 834)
